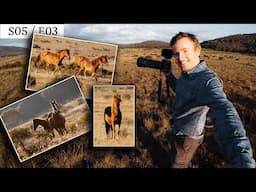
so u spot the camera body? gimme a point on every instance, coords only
(163, 65)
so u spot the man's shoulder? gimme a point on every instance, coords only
(210, 79)
(214, 82)
(208, 73)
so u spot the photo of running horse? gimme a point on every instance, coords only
(54, 58)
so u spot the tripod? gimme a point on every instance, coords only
(159, 94)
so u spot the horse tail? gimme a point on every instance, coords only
(37, 60)
(119, 118)
(34, 124)
(40, 57)
(108, 127)
(107, 112)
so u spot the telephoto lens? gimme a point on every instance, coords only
(142, 62)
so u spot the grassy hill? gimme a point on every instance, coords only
(243, 43)
(11, 50)
(146, 44)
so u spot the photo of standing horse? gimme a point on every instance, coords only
(47, 118)
(54, 58)
(114, 116)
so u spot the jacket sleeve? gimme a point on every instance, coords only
(171, 81)
(229, 127)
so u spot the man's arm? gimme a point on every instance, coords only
(229, 127)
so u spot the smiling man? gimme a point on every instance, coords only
(199, 91)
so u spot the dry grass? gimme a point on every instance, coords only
(12, 72)
(153, 119)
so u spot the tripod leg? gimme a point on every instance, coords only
(159, 90)
(167, 88)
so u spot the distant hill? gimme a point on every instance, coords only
(146, 44)
(243, 43)
(11, 50)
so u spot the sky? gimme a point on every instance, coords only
(15, 42)
(135, 33)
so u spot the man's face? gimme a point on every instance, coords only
(185, 54)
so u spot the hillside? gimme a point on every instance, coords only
(146, 44)
(11, 50)
(243, 43)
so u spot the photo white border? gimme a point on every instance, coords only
(134, 116)
(71, 39)
(36, 93)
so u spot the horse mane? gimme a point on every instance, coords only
(100, 60)
(64, 50)
(115, 105)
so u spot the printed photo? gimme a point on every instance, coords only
(114, 116)
(54, 58)
(47, 118)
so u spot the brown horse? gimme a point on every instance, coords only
(113, 117)
(91, 66)
(57, 121)
(54, 121)
(77, 61)
(52, 58)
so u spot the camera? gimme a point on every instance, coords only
(163, 65)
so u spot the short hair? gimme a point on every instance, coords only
(180, 35)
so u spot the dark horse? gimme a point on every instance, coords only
(113, 117)
(54, 121)
(52, 58)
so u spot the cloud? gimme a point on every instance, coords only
(118, 33)
(133, 33)
(16, 42)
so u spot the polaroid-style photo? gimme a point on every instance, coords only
(114, 116)
(54, 58)
(46, 119)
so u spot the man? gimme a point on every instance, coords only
(199, 92)
(55, 107)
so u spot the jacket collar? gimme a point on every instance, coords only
(201, 66)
